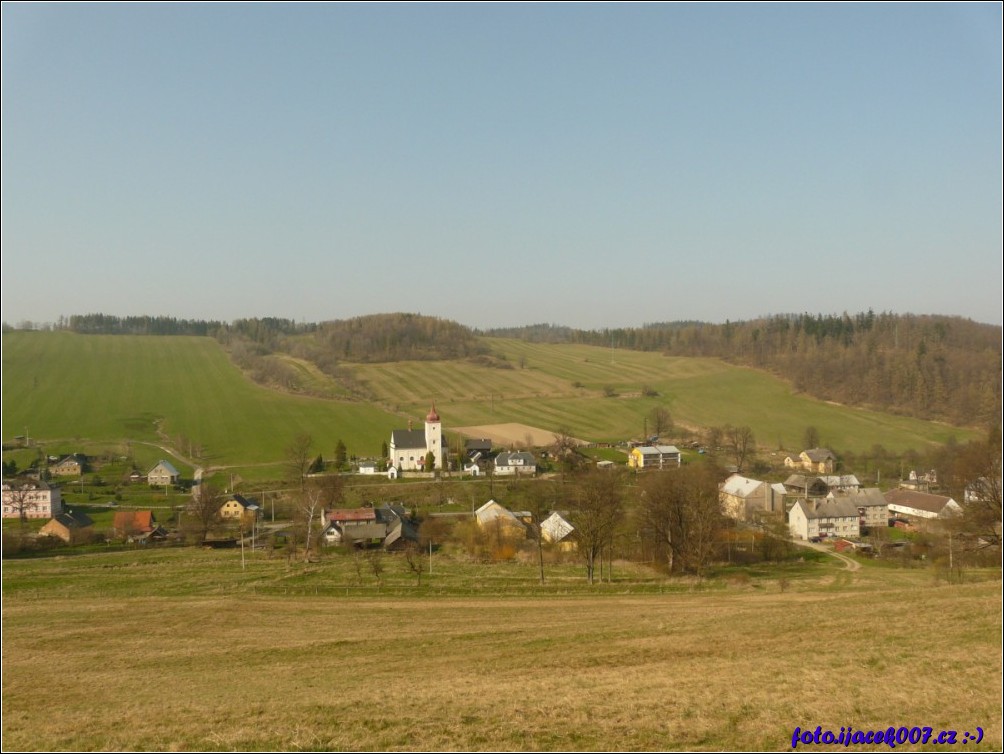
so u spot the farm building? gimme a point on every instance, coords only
(740, 497)
(920, 505)
(70, 527)
(818, 460)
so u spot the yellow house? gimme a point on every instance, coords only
(654, 457)
(237, 507)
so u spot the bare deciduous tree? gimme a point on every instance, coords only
(298, 458)
(596, 501)
(204, 510)
(679, 511)
(19, 496)
(741, 444)
(660, 420)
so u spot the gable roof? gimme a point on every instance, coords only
(491, 511)
(828, 508)
(408, 438)
(518, 458)
(739, 486)
(921, 501)
(340, 515)
(137, 521)
(817, 455)
(74, 520)
(166, 466)
(243, 502)
(866, 497)
(555, 527)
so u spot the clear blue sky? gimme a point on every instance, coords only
(589, 165)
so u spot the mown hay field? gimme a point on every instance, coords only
(182, 650)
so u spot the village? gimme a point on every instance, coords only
(816, 503)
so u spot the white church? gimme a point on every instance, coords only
(409, 447)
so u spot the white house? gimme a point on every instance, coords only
(837, 517)
(914, 504)
(515, 464)
(33, 499)
(409, 447)
(654, 457)
(162, 475)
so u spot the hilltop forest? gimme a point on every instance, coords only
(924, 366)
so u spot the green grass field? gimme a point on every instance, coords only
(137, 394)
(180, 649)
(67, 388)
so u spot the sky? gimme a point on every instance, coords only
(591, 165)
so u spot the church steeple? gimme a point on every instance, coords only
(433, 416)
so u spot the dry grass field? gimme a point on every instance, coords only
(184, 651)
(512, 434)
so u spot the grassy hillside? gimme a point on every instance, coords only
(557, 385)
(182, 390)
(182, 650)
(155, 389)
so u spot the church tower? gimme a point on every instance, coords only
(434, 436)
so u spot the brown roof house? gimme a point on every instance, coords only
(72, 528)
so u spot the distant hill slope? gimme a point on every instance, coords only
(927, 366)
(183, 389)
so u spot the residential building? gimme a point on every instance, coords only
(820, 486)
(162, 475)
(71, 465)
(811, 519)
(31, 499)
(515, 464)
(238, 506)
(818, 460)
(137, 526)
(654, 457)
(873, 510)
(386, 526)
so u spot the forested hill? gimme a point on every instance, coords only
(928, 366)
